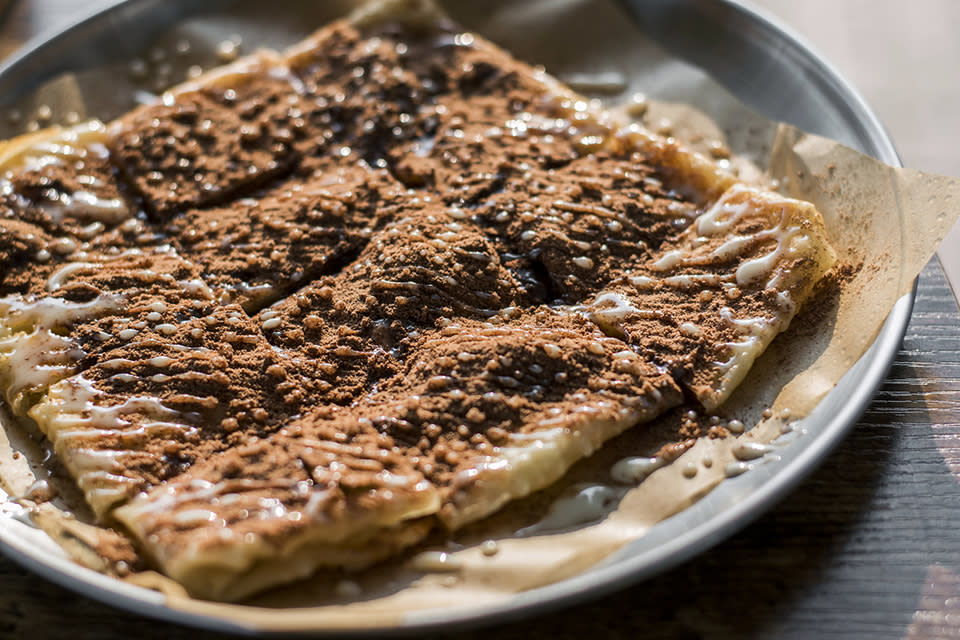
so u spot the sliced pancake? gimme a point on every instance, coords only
(89, 308)
(59, 200)
(61, 179)
(268, 512)
(362, 95)
(712, 300)
(576, 228)
(483, 414)
(495, 411)
(137, 372)
(258, 249)
(211, 139)
(387, 85)
(496, 120)
(354, 330)
(146, 411)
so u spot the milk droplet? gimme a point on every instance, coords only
(436, 561)
(633, 470)
(750, 450)
(583, 262)
(638, 105)
(735, 469)
(227, 51)
(348, 589)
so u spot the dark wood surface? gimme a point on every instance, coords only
(869, 545)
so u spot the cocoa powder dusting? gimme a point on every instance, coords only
(360, 277)
(205, 146)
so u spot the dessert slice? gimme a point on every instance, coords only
(572, 230)
(258, 249)
(89, 308)
(354, 330)
(61, 179)
(145, 411)
(483, 414)
(211, 139)
(362, 95)
(711, 300)
(494, 119)
(59, 197)
(134, 372)
(324, 493)
(399, 85)
(492, 412)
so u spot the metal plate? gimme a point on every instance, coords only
(761, 62)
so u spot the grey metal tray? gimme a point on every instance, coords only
(758, 60)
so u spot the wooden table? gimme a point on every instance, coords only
(869, 546)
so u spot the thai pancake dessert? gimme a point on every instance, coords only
(313, 305)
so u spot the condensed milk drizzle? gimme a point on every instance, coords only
(587, 504)
(34, 353)
(722, 217)
(71, 146)
(631, 471)
(81, 429)
(64, 273)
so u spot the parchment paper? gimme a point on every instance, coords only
(886, 221)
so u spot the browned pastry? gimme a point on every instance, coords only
(309, 307)
(211, 140)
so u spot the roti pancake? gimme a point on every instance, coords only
(382, 283)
